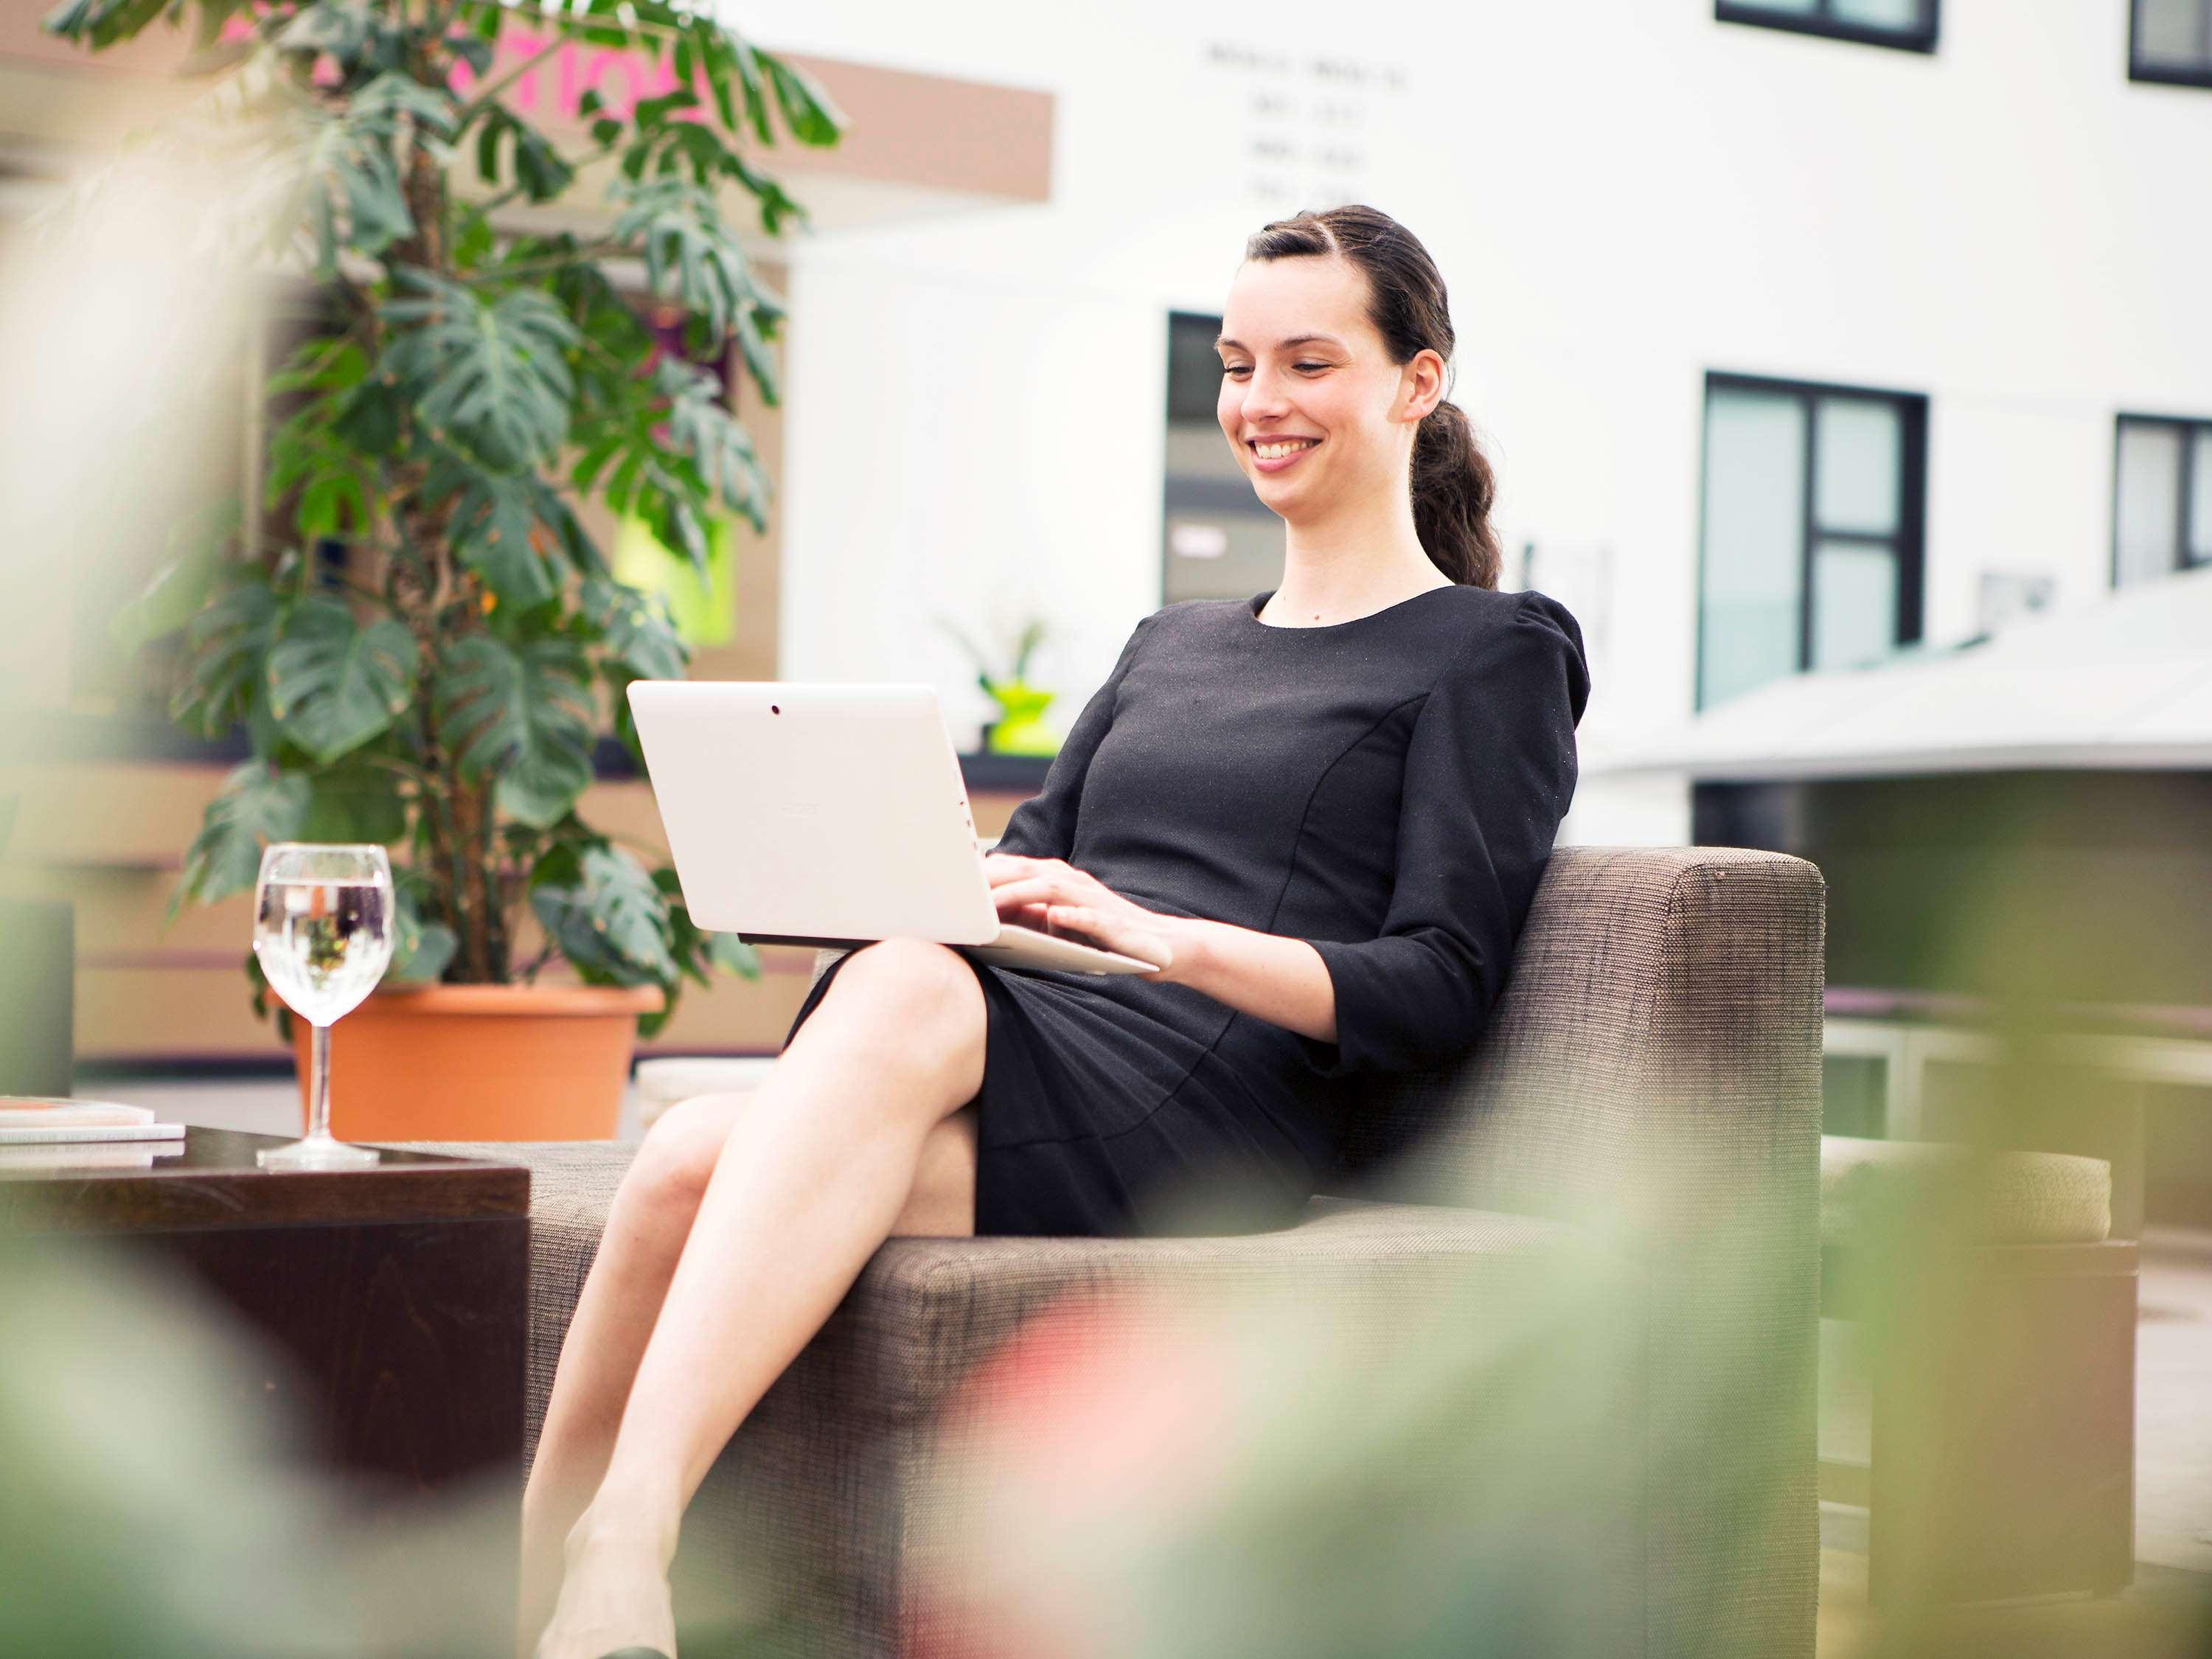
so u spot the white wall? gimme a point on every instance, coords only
(1622, 193)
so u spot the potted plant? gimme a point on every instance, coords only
(442, 688)
(1020, 727)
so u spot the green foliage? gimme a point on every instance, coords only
(334, 684)
(441, 687)
(640, 634)
(690, 255)
(608, 918)
(521, 716)
(181, 586)
(490, 376)
(254, 803)
(675, 451)
(421, 949)
(537, 168)
(353, 801)
(493, 529)
(230, 642)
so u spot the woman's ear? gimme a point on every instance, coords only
(1425, 382)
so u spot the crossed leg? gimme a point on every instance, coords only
(735, 1232)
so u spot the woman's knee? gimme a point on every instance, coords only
(919, 999)
(678, 1155)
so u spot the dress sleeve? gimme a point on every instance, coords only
(1043, 826)
(1490, 771)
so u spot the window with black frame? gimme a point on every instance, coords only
(1811, 550)
(2162, 497)
(2171, 40)
(1221, 542)
(1910, 25)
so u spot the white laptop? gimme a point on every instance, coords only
(812, 813)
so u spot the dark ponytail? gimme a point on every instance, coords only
(1452, 484)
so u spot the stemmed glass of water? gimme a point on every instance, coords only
(322, 927)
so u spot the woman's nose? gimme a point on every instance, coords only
(1263, 395)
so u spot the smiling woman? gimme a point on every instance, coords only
(1322, 809)
(1325, 824)
(1364, 385)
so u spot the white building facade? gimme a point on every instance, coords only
(1745, 311)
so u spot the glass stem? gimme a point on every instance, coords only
(319, 1085)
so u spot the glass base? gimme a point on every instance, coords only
(318, 1152)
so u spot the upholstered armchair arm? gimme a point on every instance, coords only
(1653, 1074)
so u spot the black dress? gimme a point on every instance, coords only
(1387, 789)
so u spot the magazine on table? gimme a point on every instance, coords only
(45, 1120)
(88, 1155)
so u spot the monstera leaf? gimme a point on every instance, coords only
(540, 174)
(691, 255)
(636, 630)
(334, 684)
(493, 527)
(522, 714)
(254, 803)
(420, 948)
(229, 644)
(696, 948)
(701, 428)
(609, 919)
(351, 160)
(672, 457)
(491, 376)
(353, 801)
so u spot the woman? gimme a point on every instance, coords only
(1322, 811)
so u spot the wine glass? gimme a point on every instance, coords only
(322, 927)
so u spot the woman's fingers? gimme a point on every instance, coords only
(1073, 921)
(1054, 897)
(1035, 890)
(1004, 868)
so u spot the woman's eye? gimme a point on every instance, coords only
(1312, 365)
(1234, 369)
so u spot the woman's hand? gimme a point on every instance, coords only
(1053, 897)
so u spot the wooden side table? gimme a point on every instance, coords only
(399, 1294)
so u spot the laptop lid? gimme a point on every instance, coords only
(817, 811)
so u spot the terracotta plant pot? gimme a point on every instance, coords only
(481, 1062)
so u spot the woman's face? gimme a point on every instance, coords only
(1314, 409)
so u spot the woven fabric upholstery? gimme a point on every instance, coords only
(1988, 1195)
(825, 1503)
(1650, 1082)
(1653, 1072)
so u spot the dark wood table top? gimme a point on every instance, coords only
(214, 1182)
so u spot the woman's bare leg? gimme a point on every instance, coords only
(646, 1224)
(856, 1134)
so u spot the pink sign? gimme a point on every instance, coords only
(551, 91)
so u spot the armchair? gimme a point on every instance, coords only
(1651, 1084)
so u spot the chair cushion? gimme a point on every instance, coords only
(956, 1299)
(833, 1502)
(1988, 1195)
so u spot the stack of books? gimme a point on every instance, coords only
(42, 1131)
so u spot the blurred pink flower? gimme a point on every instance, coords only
(1102, 1415)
